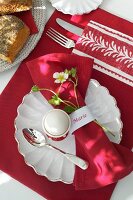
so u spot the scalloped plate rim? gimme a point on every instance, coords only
(61, 9)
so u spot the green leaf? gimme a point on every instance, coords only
(73, 72)
(35, 88)
(55, 97)
(69, 109)
(55, 100)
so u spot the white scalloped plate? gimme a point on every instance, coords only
(51, 163)
(39, 14)
(74, 7)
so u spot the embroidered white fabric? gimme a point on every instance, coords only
(119, 54)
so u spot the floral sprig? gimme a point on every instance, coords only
(60, 78)
(56, 100)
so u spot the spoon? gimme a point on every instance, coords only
(37, 139)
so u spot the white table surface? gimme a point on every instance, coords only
(11, 189)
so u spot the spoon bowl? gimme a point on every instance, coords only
(34, 137)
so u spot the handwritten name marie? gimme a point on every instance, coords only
(77, 119)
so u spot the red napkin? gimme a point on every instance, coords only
(28, 19)
(11, 162)
(107, 162)
(122, 92)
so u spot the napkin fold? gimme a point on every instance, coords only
(108, 162)
(28, 19)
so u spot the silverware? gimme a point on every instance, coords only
(59, 38)
(37, 139)
(69, 27)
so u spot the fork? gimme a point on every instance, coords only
(60, 39)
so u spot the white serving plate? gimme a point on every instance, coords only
(39, 14)
(51, 163)
(74, 7)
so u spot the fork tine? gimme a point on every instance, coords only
(56, 36)
(59, 38)
(57, 33)
(53, 38)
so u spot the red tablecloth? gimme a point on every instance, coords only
(12, 162)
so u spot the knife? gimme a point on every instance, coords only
(69, 27)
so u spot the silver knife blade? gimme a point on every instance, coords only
(69, 27)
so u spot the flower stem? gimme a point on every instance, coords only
(75, 92)
(68, 103)
(71, 104)
(41, 89)
(60, 88)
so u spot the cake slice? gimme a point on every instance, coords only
(13, 35)
(11, 6)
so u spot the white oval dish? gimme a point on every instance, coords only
(51, 163)
(39, 14)
(75, 7)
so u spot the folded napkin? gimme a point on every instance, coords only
(28, 19)
(111, 49)
(119, 74)
(108, 162)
